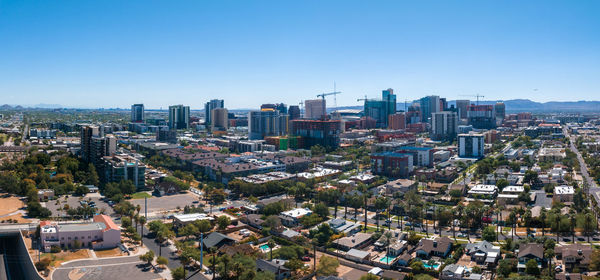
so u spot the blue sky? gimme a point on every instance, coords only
(115, 53)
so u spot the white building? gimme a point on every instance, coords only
(563, 193)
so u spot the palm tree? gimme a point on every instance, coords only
(573, 223)
(136, 219)
(549, 254)
(271, 244)
(557, 220)
(388, 240)
(588, 218)
(543, 221)
(142, 221)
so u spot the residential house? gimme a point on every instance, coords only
(458, 272)
(528, 252)
(352, 242)
(483, 252)
(275, 266)
(292, 217)
(358, 255)
(396, 186)
(340, 225)
(217, 240)
(575, 256)
(440, 246)
(253, 220)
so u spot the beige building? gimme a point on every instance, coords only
(219, 119)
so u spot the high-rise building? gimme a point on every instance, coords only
(100, 147)
(462, 106)
(500, 110)
(471, 145)
(123, 167)
(267, 122)
(219, 119)
(397, 121)
(444, 125)
(318, 132)
(211, 105)
(87, 133)
(294, 112)
(443, 104)
(179, 117)
(314, 108)
(379, 110)
(137, 113)
(481, 116)
(277, 106)
(429, 105)
(388, 96)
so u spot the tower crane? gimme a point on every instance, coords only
(322, 95)
(476, 95)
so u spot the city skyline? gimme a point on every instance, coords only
(161, 54)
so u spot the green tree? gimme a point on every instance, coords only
(489, 234)
(327, 266)
(178, 273)
(223, 222)
(147, 257)
(369, 276)
(531, 267)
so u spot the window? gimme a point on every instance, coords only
(95, 236)
(89, 237)
(62, 238)
(70, 238)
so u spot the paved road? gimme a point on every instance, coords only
(113, 268)
(593, 191)
(166, 252)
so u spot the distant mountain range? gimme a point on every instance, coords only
(526, 105)
(512, 106)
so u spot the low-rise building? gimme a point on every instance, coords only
(440, 246)
(563, 193)
(184, 219)
(352, 242)
(292, 217)
(575, 256)
(103, 233)
(530, 251)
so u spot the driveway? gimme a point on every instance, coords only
(112, 268)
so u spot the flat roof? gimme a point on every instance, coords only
(80, 227)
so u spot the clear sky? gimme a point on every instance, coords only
(115, 53)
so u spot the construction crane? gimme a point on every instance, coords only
(476, 95)
(322, 95)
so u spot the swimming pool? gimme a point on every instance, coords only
(434, 266)
(264, 247)
(387, 259)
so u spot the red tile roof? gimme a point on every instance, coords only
(107, 221)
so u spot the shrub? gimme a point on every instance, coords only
(55, 249)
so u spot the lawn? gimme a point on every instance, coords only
(140, 195)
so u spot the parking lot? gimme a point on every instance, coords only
(167, 202)
(73, 202)
(114, 268)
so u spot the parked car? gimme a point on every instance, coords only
(306, 258)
